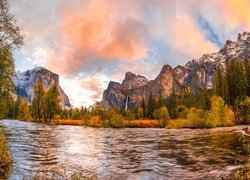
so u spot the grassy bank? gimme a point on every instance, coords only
(141, 123)
(5, 156)
(144, 123)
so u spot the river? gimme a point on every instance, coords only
(98, 153)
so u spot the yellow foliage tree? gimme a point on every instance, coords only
(23, 110)
(220, 114)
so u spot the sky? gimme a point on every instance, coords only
(91, 42)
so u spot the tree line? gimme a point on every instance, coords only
(43, 108)
(232, 83)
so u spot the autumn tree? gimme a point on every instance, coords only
(6, 84)
(196, 118)
(23, 110)
(220, 114)
(162, 115)
(38, 102)
(10, 38)
(108, 115)
(52, 102)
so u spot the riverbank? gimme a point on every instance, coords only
(5, 155)
(144, 123)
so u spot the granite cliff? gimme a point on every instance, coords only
(25, 81)
(196, 74)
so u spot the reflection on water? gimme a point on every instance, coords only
(121, 153)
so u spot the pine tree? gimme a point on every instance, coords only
(173, 104)
(160, 100)
(247, 73)
(151, 105)
(143, 105)
(218, 81)
(236, 81)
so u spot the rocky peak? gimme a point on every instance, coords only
(25, 82)
(133, 81)
(166, 71)
(243, 36)
(196, 74)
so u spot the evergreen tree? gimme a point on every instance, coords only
(143, 106)
(159, 100)
(151, 105)
(218, 81)
(235, 82)
(173, 104)
(247, 73)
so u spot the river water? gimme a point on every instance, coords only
(40, 150)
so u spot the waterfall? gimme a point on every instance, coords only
(126, 105)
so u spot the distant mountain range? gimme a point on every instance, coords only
(25, 82)
(197, 74)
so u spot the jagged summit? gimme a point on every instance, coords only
(25, 81)
(166, 69)
(197, 74)
(133, 81)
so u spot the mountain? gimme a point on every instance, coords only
(25, 81)
(196, 74)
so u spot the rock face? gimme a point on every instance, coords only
(132, 81)
(197, 74)
(25, 81)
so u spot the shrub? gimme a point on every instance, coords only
(130, 115)
(162, 116)
(245, 110)
(117, 121)
(197, 118)
(182, 112)
(95, 121)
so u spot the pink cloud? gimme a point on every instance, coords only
(188, 38)
(93, 85)
(95, 36)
